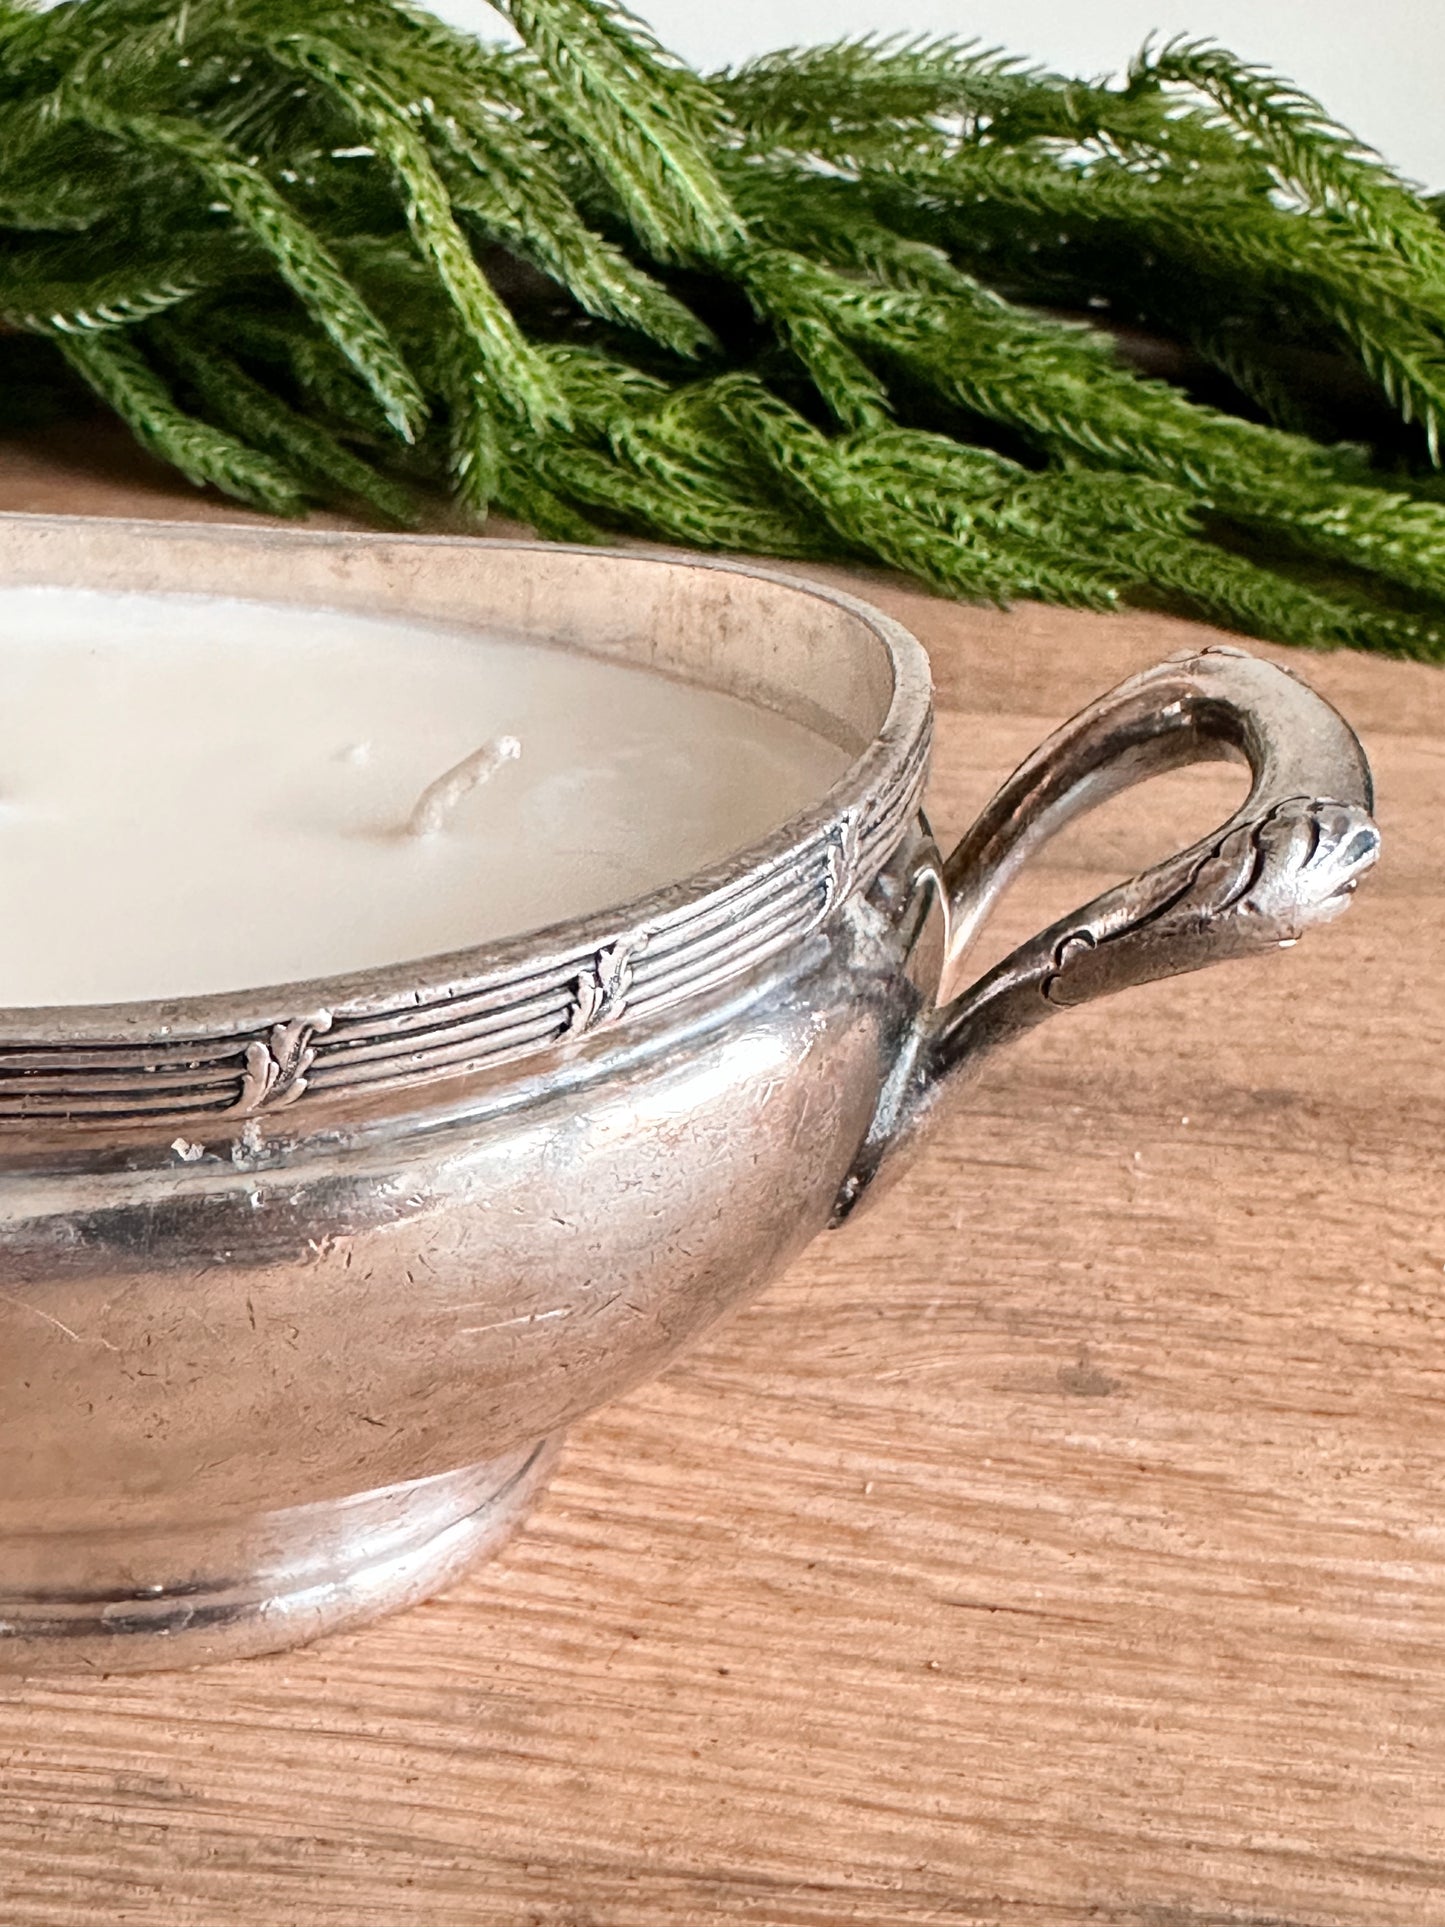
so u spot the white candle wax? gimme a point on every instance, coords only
(200, 795)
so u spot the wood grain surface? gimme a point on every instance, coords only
(1063, 1543)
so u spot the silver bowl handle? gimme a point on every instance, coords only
(1289, 857)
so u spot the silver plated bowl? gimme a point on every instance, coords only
(301, 1286)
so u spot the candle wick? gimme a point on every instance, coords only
(440, 798)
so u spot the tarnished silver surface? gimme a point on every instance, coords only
(299, 1287)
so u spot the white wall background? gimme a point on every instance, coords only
(1378, 65)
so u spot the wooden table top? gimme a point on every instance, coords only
(1063, 1542)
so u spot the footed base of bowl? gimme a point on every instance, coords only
(162, 1597)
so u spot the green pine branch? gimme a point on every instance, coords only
(640, 117)
(334, 250)
(302, 260)
(124, 380)
(1308, 151)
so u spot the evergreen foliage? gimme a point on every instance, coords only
(867, 301)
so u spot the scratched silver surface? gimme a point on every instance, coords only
(280, 1352)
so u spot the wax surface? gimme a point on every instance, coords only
(201, 795)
